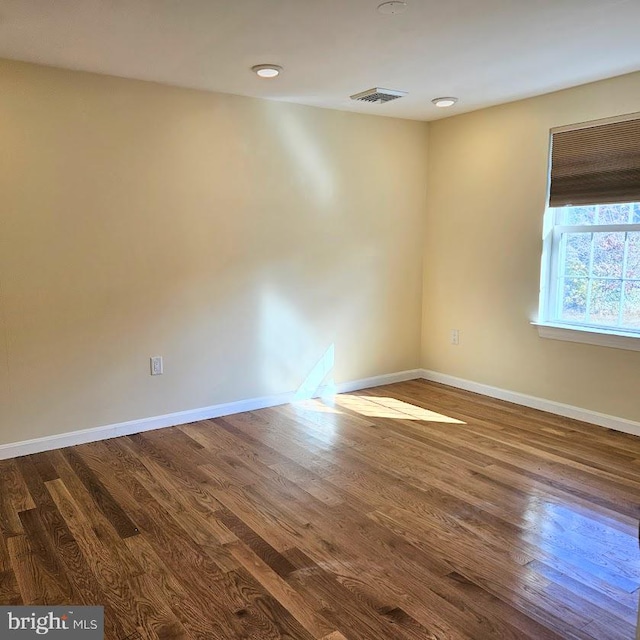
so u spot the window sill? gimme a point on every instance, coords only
(603, 338)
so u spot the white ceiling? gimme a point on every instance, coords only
(483, 51)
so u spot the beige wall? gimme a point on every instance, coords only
(241, 239)
(238, 238)
(487, 184)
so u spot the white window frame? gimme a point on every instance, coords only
(549, 325)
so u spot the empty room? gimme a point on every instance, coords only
(319, 320)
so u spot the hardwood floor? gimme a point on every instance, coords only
(407, 511)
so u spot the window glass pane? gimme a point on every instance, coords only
(633, 255)
(613, 214)
(605, 301)
(577, 253)
(598, 272)
(608, 254)
(600, 214)
(631, 309)
(574, 299)
(578, 215)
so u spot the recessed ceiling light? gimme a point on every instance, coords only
(444, 102)
(267, 70)
(392, 8)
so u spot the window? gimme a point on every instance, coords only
(595, 269)
(590, 281)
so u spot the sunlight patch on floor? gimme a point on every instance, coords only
(316, 405)
(382, 407)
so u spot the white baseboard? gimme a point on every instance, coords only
(47, 443)
(565, 410)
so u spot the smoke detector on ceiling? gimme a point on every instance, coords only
(392, 8)
(378, 95)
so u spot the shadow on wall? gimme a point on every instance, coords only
(320, 380)
(314, 171)
(287, 343)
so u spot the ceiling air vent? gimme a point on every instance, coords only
(378, 96)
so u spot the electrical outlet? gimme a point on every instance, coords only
(157, 368)
(455, 336)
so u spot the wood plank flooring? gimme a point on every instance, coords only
(411, 511)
